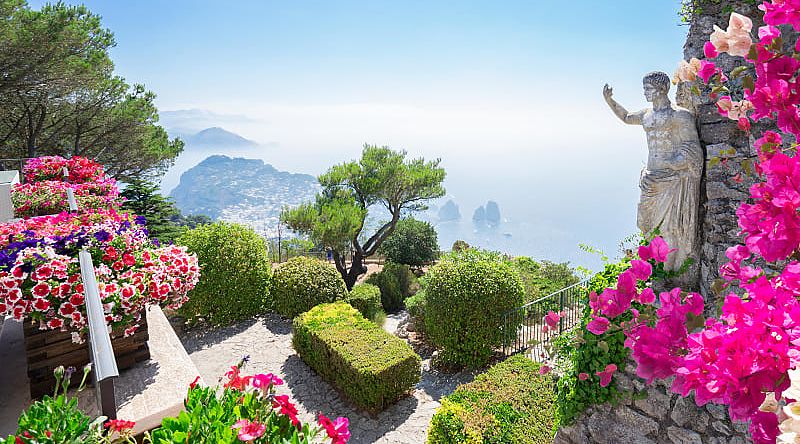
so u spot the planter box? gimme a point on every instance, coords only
(47, 349)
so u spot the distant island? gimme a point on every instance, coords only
(241, 190)
(218, 137)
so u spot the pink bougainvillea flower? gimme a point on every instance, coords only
(656, 250)
(764, 427)
(707, 70)
(264, 382)
(249, 431)
(687, 71)
(337, 430)
(710, 51)
(583, 376)
(743, 124)
(598, 325)
(641, 269)
(545, 369)
(606, 374)
(551, 319)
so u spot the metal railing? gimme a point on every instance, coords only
(101, 352)
(524, 327)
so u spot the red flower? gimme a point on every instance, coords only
(41, 289)
(287, 408)
(52, 323)
(119, 425)
(235, 381)
(337, 430)
(41, 304)
(194, 383)
(128, 259)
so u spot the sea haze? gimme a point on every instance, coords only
(569, 196)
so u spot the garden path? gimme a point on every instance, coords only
(268, 343)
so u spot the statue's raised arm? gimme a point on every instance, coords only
(619, 110)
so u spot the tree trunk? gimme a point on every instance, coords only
(357, 268)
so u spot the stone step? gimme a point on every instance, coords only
(145, 393)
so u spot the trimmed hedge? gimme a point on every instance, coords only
(413, 242)
(465, 300)
(368, 365)
(397, 282)
(235, 273)
(302, 283)
(366, 298)
(510, 403)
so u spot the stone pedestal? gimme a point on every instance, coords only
(7, 180)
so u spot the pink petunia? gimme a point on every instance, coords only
(249, 431)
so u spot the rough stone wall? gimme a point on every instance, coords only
(652, 415)
(720, 193)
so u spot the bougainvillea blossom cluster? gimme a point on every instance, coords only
(742, 358)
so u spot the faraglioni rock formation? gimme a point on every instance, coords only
(449, 211)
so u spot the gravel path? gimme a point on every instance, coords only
(268, 342)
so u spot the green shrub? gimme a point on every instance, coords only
(590, 355)
(543, 278)
(235, 273)
(397, 282)
(510, 403)
(302, 283)
(466, 300)
(368, 365)
(416, 308)
(413, 242)
(366, 298)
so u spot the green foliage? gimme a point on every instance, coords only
(144, 199)
(466, 297)
(694, 8)
(368, 365)
(59, 94)
(366, 298)
(589, 353)
(510, 403)
(413, 242)
(235, 273)
(302, 283)
(543, 278)
(209, 414)
(382, 177)
(460, 245)
(396, 282)
(416, 308)
(58, 419)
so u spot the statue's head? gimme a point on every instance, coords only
(655, 84)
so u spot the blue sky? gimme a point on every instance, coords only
(508, 93)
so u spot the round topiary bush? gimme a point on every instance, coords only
(235, 273)
(397, 282)
(413, 242)
(464, 305)
(302, 283)
(365, 298)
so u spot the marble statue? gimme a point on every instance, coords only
(670, 183)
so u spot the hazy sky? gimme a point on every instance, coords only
(508, 94)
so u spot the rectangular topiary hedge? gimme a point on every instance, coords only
(368, 365)
(510, 403)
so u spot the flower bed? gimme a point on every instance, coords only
(368, 365)
(40, 279)
(510, 403)
(45, 189)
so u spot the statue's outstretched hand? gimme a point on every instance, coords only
(607, 92)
